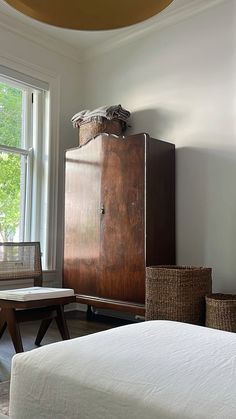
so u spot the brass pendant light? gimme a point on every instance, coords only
(90, 14)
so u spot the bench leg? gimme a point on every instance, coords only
(89, 313)
(61, 323)
(13, 328)
(42, 330)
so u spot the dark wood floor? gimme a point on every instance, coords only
(78, 326)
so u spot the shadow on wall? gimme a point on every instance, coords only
(158, 123)
(206, 212)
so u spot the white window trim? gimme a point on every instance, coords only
(53, 81)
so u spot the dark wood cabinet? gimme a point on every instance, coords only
(119, 218)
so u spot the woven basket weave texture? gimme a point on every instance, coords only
(93, 128)
(221, 312)
(177, 293)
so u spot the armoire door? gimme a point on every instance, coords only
(122, 235)
(82, 219)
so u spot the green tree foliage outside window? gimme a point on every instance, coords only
(10, 164)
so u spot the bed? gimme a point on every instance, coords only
(150, 370)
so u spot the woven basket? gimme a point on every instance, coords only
(177, 293)
(95, 127)
(221, 312)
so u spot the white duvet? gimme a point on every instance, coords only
(150, 370)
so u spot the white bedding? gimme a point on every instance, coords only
(150, 370)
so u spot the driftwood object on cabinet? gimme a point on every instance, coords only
(119, 218)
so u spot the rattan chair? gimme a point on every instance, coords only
(22, 261)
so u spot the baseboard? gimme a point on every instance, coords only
(104, 312)
(76, 307)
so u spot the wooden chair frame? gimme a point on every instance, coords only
(14, 312)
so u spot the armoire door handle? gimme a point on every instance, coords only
(102, 210)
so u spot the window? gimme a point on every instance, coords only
(24, 160)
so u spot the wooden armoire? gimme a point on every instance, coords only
(119, 218)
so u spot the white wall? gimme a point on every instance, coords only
(18, 51)
(179, 83)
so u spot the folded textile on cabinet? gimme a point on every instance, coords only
(108, 112)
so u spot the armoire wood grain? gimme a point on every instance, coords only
(119, 217)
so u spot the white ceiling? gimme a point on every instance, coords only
(85, 43)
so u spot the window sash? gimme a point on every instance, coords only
(14, 150)
(25, 187)
(35, 146)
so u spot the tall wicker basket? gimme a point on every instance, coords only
(98, 126)
(221, 312)
(177, 293)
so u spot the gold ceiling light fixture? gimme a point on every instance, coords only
(90, 14)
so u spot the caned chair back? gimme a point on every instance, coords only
(21, 261)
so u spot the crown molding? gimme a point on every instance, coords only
(167, 17)
(38, 37)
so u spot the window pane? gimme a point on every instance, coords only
(12, 196)
(11, 101)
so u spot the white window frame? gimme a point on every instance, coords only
(41, 201)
